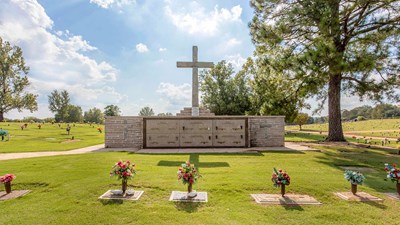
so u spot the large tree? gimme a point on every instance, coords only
(58, 104)
(146, 111)
(224, 93)
(13, 82)
(112, 110)
(333, 46)
(272, 92)
(74, 114)
(94, 115)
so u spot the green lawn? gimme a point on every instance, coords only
(51, 137)
(367, 125)
(65, 189)
(311, 137)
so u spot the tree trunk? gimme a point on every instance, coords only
(1, 117)
(335, 120)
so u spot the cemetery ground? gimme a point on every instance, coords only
(370, 132)
(50, 137)
(65, 189)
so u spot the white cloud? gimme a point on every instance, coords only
(56, 59)
(141, 48)
(233, 42)
(198, 21)
(162, 49)
(236, 60)
(110, 3)
(76, 43)
(176, 96)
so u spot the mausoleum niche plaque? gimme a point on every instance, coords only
(195, 133)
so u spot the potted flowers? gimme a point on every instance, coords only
(355, 178)
(6, 179)
(280, 178)
(393, 175)
(189, 175)
(123, 171)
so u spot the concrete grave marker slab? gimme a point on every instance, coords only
(393, 195)
(289, 199)
(13, 194)
(110, 196)
(359, 197)
(178, 196)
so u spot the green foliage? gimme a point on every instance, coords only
(146, 111)
(165, 114)
(354, 177)
(58, 104)
(112, 110)
(360, 118)
(223, 93)
(94, 116)
(380, 111)
(272, 93)
(331, 47)
(12, 81)
(301, 119)
(75, 114)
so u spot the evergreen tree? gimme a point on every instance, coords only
(332, 47)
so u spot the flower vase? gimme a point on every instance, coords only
(283, 190)
(190, 187)
(354, 188)
(190, 193)
(124, 186)
(398, 187)
(7, 186)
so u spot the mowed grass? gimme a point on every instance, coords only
(51, 137)
(65, 189)
(312, 137)
(367, 125)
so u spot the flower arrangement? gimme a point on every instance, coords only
(7, 178)
(188, 173)
(393, 172)
(354, 177)
(280, 177)
(123, 170)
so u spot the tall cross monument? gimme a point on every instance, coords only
(195, 65)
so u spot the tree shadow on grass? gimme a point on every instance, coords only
(111, 201)
(30, 185)
(194, 159)
(283, 152)
(363, 158)
(376, 204)
(188, 207)
(292, 207)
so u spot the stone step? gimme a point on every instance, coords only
(188, 112)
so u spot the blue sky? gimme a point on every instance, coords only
(124, 52)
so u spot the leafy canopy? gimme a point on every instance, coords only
(331, 47)
(224, 93)
(13, 83)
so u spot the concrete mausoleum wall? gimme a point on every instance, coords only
(127, 131)
(124, 132)
(267, 131)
